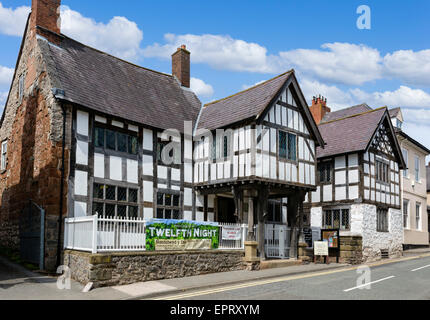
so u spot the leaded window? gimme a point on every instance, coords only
(115, 201)
(116, 141)
(336, 219)
(168, 206)
(382, 220)
(287, 148)
(324, 170)
(382, 171)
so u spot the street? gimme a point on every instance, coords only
(394, 281)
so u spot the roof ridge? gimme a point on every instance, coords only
(246, 90)
(354, 115)
(110, 55)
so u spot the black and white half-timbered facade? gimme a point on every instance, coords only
(134, 156)
(255, 159)
(358, 179)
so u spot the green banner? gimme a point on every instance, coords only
(164, 235)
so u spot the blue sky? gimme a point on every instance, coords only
(236, 44)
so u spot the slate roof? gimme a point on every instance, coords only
(243, 105)
(104, 83)
(350, 134)
(335, 115)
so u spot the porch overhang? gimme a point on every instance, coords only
(277, 189)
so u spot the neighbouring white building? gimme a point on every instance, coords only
(358, 178)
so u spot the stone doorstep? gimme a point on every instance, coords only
(282, 263)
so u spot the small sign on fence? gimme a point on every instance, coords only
(231, 232)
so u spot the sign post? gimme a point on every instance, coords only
(321, 249)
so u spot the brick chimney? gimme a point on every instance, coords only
(181, 66)
(319, 108)
(46, 14)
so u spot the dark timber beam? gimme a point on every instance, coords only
(295, 203)
(263, 196)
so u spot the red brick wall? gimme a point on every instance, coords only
(34, 158)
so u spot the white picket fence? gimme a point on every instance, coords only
(106, 234)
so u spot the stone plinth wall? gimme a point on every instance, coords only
(351, 249)
(126, 268)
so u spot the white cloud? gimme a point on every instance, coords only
(12, 21)
(412, 67)
(119, 37)
(201, 88)
(339, 63)
(337, 99)
(218, 51)
(6, 75)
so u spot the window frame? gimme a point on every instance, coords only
(405, 154)
(129, 139)
(418, 219)
(116, 201)
(417, 168)
(382, 225)
(21, 84)
(325, 169)
(170, 207)
(342, 225)
(3, 160)
(382, 172)
(289, 149)
(405, 216)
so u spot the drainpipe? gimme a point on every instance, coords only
(59, 94)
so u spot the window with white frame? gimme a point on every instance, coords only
(405, 156)
(382, 220)
(3, 155)
(336, 219)
(21, 87)
(418, 216)
(417, 169)
(406, 214)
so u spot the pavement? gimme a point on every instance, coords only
(17, 283)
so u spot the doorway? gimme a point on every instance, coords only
(226, 209)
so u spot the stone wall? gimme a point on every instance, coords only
(33, 128)
(351, 250)
(374, 241)
(126, 268)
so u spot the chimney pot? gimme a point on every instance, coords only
(319, 108)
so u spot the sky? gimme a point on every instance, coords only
(237, 44)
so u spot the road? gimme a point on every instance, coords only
(403, 280)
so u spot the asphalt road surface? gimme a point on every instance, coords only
(394, 281)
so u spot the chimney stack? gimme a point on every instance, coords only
(46, 14)
(181, 66)
(319, 108)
